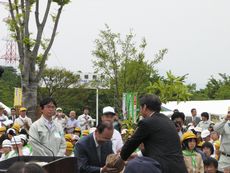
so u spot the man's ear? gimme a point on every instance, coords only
(144, 107)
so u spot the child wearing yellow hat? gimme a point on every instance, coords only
(2, 130)
(69, 149)
(16, 127)
(77, 131)
(193, 160)
(68, 137)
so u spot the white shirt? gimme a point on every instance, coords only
(95, 140)
(204, 125)
(71, 124)
(116, 141)
(21, 121)
(84, 121)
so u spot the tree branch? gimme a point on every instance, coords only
(42, 63)
(17, 12)
(40, 28)
(37, 13)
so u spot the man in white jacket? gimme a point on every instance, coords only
(223, 128)
(46, 135)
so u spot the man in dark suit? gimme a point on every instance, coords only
(92, 150)
(159, 136)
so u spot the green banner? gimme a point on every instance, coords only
(129, 106)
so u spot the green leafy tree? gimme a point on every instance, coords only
(9, 80)
(171, 88)
(33, 49)
(54, 79)
(122, 62)
(218, 88)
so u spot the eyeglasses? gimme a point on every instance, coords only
(49, 107)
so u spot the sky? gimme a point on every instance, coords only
(196, 34)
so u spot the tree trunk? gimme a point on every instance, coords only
(30, 98)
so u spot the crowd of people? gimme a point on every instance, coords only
(158, 144)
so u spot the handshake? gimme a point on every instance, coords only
(114, 164)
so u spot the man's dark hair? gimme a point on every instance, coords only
(13, 109)
(152, 102)
(211, 161)
(205, 114)
(193, 109)
(208, 145)
(46, 101)
(104, 125)
(178, 115)
(85, 107)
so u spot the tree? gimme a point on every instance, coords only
(9, 80)
(116, 58)
(33, 50)
(218, 88)
(170, 89)
(58, 79)
(136, 75)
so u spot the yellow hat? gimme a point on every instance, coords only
(85, 132)
(188, 135)
(16, 127)
(69, 146)
(77, 129)
(217, 144)
(200, 144)
(2, 129)
(68, 137)
(22, 109)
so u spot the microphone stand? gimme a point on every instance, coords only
(43, 146)
(16, 148)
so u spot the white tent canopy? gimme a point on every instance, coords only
(214, 107)
(5, 107)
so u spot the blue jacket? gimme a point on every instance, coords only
(86, 153)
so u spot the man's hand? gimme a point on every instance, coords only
(132, 156)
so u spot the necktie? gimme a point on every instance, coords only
(99, 153)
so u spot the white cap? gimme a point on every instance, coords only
(23, 137)
(10, 129)
(108, 109)
(198, 129)
(59, 109)
(16, 140)
(6, 143)
(205, 133)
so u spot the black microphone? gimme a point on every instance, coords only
(43, 145)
